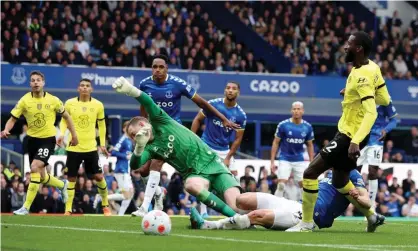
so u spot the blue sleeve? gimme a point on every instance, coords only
(243, 121)
(391, 114)
(280, 131)
(117, 150)
(310, 135)
(185, 89)
(357, 179)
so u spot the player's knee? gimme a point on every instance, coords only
(310, 173)
(37, 167)
(244, 202)
(193, 187)
(156, 165)
(72, 179)
(373, 172)
(98, 176)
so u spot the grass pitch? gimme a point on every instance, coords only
(57, 233)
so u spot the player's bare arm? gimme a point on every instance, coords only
(234, 147)
(274, 149)
(71, 128)
(9, 126)
(310, 148)
(197, 122)
(202, 103)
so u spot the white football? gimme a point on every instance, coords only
(156, 222)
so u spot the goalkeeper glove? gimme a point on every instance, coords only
(121, 85)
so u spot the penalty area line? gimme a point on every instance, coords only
(339, 246)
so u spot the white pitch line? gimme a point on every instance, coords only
(339, 246)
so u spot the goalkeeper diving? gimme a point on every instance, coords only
(160, 137)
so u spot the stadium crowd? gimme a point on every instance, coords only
(112, 33)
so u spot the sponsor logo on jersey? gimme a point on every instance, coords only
(295, 140)
(168, 94)
(18, 75)
(274, 86)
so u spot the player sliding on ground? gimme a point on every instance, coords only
(279, 213)
(162, 138)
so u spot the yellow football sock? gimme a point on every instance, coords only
(71, 192)
(365, 211)
(52, 181)
(103, 192)
(35, 180)
(309, 196)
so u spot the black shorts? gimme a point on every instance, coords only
(335, 154)
(91, 163)
(41, 148)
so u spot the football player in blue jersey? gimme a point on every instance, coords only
(123, 152)
(166, 90)
(372, 153)
(279, 213)
(290, 136)
(215, 135)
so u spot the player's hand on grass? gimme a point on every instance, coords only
(353, 151)
(382, 135)
(342, 92)
(5, 134)
(229, 124)
(121, 85)
(74, 141)
(103, 150)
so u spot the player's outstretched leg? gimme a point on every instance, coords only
(310, 194)
(197, 187)
(37, 167)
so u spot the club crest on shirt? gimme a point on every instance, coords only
(303, 134)
(168, 94)
(233, 119)
(47, 106)
(290, 132)
(91, 109)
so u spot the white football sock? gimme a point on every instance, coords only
(123, 206)
(203, 209)
(158, 190)
(236, 222)
(280, 190)
(153, 181)
(116, 197)
(373, 184)
(212, 225)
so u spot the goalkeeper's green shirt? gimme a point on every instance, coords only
(173, 143)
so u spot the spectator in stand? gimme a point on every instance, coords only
(407, 183)
(411, 143)
(19, 197)
(43, 202)
(394, 205)
(410, 209)
(247, 178)
(292, 190)
(6, 196)
(394, 185)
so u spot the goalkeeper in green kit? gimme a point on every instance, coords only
(163, 138)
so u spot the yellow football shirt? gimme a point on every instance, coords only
(40, 114)
(85, 115)
(363, 83)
